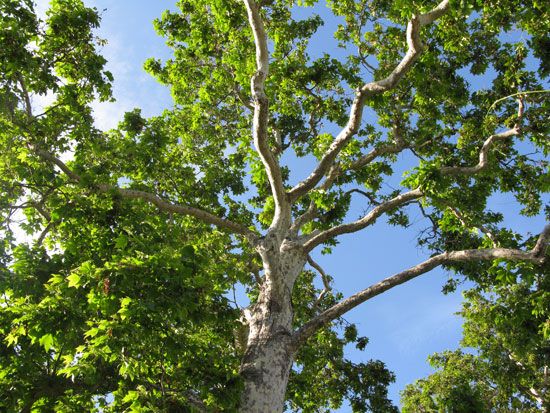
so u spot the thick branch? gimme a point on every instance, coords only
(368, 90)
(160, 203)
(363, 222)
(261, 112)
(536, 255)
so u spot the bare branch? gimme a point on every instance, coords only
(243, 98)
(44, 232)
(536, 255)
(26, 97)
(484, 153)
(324, 277)
(160, 203)
(261, 113)
(534, 392)
(368, 90)
(370, 197)
(387, 149)
(363, 222)
(426, 215)
(521, 94)
(307, 216)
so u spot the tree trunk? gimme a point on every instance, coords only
(268, 358)
(265, 371)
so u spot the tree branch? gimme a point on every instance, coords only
(368, 90)
(261, 113)
(44, 232)
(386, 149)
(312, 210)
(160, 203)
(243, 98)
(488, 233)
(335, 171)
(536, 255)
(370, 197)
(26, 97)
(534, 392)
(363, 222)
(324, 277)
(484, 153)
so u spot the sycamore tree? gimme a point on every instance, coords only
(119, 296)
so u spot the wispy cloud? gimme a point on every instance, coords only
(125, 53)
(421, 327)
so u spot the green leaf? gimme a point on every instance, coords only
(74, 280)
(46, 341)
(121, 241)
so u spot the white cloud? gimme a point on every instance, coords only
(41, 102)
(132, 87)
(107, 115)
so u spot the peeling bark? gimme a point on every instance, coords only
(268, 358)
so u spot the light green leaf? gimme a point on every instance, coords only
(74, 280)
(46, 341)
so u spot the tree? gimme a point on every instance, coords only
(136, 236)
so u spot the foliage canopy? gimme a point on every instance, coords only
(119, 298)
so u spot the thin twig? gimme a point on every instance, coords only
(324, 278)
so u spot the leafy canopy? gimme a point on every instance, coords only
(115, 300)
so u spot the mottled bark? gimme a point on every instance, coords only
(261, 114)
(269, 355)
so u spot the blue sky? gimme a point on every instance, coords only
(404, 325)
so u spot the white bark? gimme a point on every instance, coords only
(261, 115)
(415, 48)
(269, 355)
(484, 153)
(271, 341)
(265, 369)
(369, 219)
